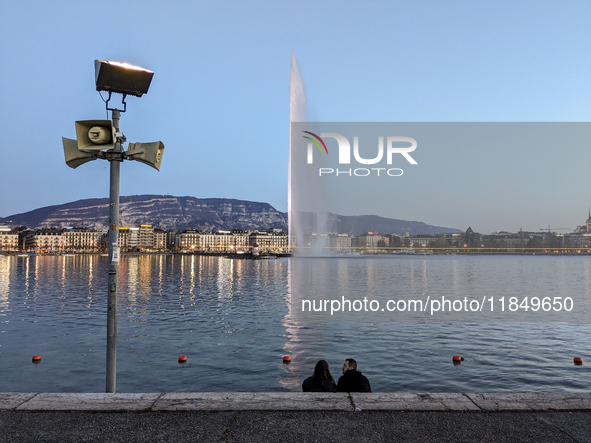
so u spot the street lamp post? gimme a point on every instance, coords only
(103, 139)
(115, 166)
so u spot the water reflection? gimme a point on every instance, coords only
(27, 266)
(456, 279)
(232, 320)
(63, 266)
(36, 276)
(145, 273)
(424, 279)
(160, 273)
(133, 277)
(5, 275)
(587, 278)
(503, 356)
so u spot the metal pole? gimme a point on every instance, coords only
(113, 264)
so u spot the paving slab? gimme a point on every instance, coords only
(532, 402)
(241, 401)
(10, 400)
(412, 402)
(291, 401)
(89, 402)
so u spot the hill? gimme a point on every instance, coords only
(177, 213)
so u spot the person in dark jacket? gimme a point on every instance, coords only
(352, 380)
(321, 380)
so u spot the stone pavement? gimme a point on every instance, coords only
(295, 416)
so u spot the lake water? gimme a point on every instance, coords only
(231, 319)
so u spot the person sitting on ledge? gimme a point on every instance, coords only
(352, 380)
(321, 380)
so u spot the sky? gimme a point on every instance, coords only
(219, 99)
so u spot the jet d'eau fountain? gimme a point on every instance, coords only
(306, 197)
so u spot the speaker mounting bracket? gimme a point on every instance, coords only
(114, 156)
(115, 109)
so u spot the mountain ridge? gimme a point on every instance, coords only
(182, 212)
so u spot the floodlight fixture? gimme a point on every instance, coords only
(122, 78)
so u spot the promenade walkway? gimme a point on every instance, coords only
(295, 416)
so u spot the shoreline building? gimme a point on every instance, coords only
(340, 242)
(8, 239)
(143, 238)
(81, 239)
(47, 238)
(275, 240)
(235, 240)
(370, 240)
(586, 228)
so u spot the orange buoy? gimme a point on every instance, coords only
(578, 361)
(286, 359)
(36, 358)
(182, 359)
(457, 358)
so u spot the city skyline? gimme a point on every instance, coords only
(219, 99)
(56, 224)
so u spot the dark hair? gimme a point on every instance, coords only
(352, 363)
(321, 372)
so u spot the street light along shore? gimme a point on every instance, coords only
(102, 139)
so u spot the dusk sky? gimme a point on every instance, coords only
(219, 99)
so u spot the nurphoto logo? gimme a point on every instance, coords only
(394, 145)
(316, 143)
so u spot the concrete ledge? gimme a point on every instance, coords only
(11, 400)
(413, 402)
(240, 401)
(89, 402)
(295, 401)
(532, 402)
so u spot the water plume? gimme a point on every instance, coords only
(305, 202)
